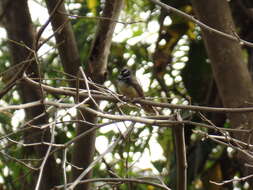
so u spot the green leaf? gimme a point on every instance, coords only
(92, 4)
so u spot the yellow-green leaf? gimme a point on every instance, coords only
(92, 4)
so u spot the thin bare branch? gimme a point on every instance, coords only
(200, 24)
(248, 153)
(18, 160)
(45, 159)
(122, 180)
(233, 180)
(138, 100)
(71, 16)
(109, 149)
(180, 149)
(64, 168)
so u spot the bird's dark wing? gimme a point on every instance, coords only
(137, 86)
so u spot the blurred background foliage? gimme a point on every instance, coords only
(169, 57)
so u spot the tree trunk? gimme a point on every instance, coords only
(83, 150)
(18, 24)
(232, 77)
(97, 71)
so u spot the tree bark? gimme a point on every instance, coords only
(65, 38)
(83, 150)
(100, 49)
(97, 71)
(232, 77)
(18, 24)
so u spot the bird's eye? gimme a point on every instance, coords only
(125, 72)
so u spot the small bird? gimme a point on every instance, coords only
(130, 87)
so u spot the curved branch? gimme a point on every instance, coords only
(123, 180)
(109, 97)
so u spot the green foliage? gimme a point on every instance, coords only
(84, 27)
(197, 74)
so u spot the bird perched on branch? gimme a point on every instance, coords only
(130, 87)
